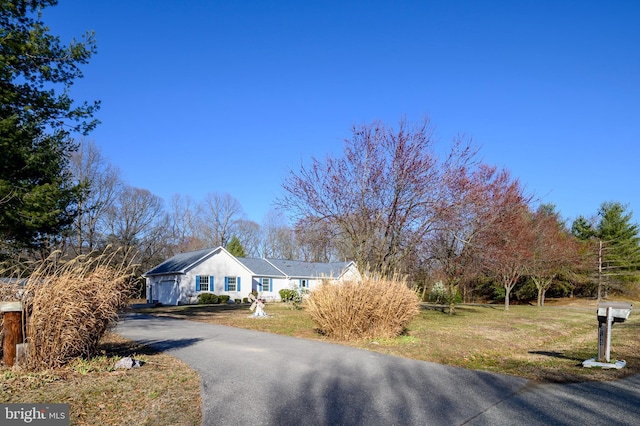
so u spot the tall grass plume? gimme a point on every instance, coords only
(371, 308)
(70, 304)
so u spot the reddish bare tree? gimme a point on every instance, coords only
(471, 212)
(554, 249)
(505, 247)
(382, 196)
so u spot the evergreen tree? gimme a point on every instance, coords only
(235, 247)
(620, 239)
(616, 246)
(582, 229)
(38, 200)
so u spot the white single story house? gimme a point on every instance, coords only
(180, 279)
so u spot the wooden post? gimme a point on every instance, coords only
(604, 336)
(12, 331)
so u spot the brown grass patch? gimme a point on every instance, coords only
(164, 391)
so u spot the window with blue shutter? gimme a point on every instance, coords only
(265, 284)
(231, 283)
(204, 283)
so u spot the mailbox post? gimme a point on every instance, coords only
(12, 330)
(608, 314)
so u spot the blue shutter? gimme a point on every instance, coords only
(226, 283)
(211, 287)
(197, 282)
(270, 285)
(238, 284)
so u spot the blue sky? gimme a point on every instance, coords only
(227, 96)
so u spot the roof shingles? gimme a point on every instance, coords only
(182, 262)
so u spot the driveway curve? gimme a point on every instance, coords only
(256, 378)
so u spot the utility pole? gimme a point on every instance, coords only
(599, 270)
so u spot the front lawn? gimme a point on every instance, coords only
(545, 344)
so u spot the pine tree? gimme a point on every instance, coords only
(616, 243)
(38, 200)
(621, 244)
(235, 247)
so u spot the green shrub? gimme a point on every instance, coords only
(293, 297)
(238, 301)
(288, 294)
(207, 299)
(372, 308)
(439, 293)
(223, 298)
(245, 300)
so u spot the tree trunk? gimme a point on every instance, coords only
(507, 290)
(453, 291)
(540, 295)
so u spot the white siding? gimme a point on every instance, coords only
(164, 289)
(277, 284)
(220, 265)
(175, 289)
(351, 274)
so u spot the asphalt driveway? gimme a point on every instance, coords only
(255, 378)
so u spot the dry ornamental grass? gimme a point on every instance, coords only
(68, 306)
(372, 308)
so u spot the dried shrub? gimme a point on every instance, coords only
(70, 305)
(372, 308)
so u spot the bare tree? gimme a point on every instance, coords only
(220, 214)
(382, 196)
(506, 247)
(555, 250)
(102, 183)
(183, 218)
(277, 237)
(137, 223)
(249, 234)
(314, 240)
(470, 211)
